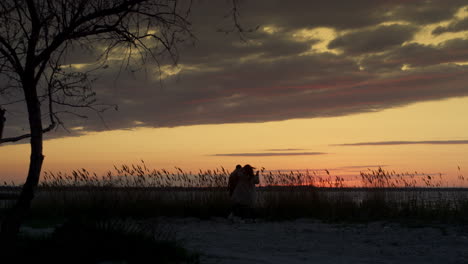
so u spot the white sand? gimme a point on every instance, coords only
(309, 241)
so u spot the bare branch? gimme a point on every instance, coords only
(234, 15)
(18, 138)
(10, 54)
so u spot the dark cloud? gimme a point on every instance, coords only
(361, 167)
(418, 55)
(335, 13)
(257, 92)
(287, 149)
(211, 47)
(374, 40)
(271, 76)
(269, 154)
(427, 142)
(456, 26)
(424, 12)
(301, 13)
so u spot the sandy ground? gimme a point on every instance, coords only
(309, 241)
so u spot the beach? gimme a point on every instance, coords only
(222, 241)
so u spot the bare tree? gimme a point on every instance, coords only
(36, 36)
(2, 121)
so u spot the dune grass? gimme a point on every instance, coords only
(139, 192)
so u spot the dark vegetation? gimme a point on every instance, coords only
(138, 192)
(82, 240)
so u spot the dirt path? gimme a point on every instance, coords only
(308, 241)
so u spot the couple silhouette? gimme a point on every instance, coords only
(241, 186)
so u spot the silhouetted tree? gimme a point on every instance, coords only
(36, 36)
(2, 121)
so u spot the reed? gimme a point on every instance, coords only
(137, 191)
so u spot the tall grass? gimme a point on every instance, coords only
(380, 178)
(138, 175)
(137, 191)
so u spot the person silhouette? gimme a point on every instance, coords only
(243, 194)
(233, 178)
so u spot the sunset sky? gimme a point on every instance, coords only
(337, 85)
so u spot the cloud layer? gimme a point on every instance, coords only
(310, 59)
(269, 154)
(428, 142)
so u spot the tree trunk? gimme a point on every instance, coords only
(12, 222)
(2, 121)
